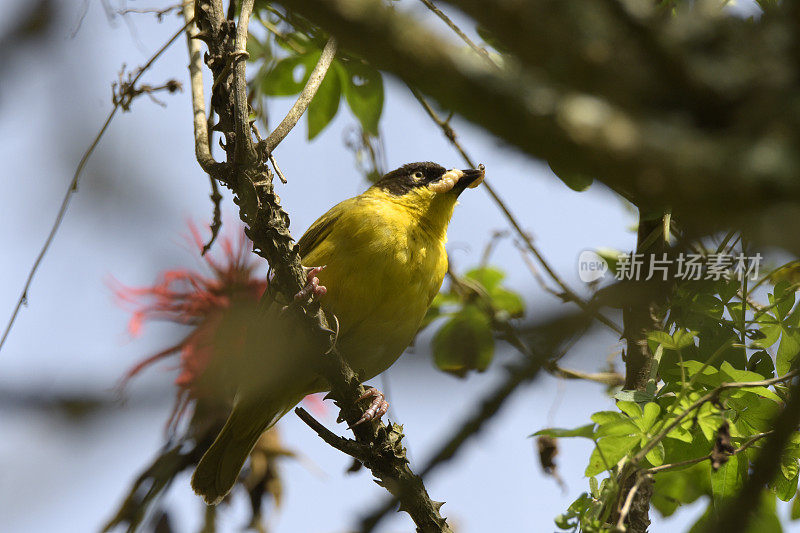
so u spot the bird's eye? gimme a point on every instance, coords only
(418, 175)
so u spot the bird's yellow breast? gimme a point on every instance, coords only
(386, 261)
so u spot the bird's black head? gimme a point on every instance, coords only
(430, 176)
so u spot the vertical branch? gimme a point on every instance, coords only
(638, 318)
(202, 141)
(246, 173)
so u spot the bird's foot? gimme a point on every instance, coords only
(312, 288)
(377, 407)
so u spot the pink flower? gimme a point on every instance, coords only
(213, 305)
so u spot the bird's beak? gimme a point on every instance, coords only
(469, 178)
(457, 180)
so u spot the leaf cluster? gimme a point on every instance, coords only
(696, 428)
(287, 55)
(476, 309)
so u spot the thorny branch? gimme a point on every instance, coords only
(246, 173)
(122, 95)
(555, 332)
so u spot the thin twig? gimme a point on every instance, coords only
(487, 407)
(306, 95)
(672, 466)
(216, 220)
(158, 12)
(713, 394)
(283, 37)
(277, 169)
(568, 293)
(623, 514)
(244, 141)
(202, 142)
(73, 184)
(735, 516)
(612, 379)
(480, 50)
(349, 446)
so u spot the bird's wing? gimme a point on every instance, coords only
(319, 230)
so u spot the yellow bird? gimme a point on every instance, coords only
(382, 259)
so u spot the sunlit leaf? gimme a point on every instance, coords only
(586, 431)
(289, 75)
(465, 342)
(363, 91)
(325, 104)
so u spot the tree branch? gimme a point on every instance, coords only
(568, 294)
(458, 31)
(735, 516)
(689, 462)
(641, 149)
(711, 395)
(307, 94)
(246, 173)
(554, 331)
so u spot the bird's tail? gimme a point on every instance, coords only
(219, 468)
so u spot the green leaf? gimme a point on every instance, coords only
(637, 396)
(727, 481)
(677, 341)
(510, 302)
(736, 310)
(620, 427)
(631, 409)
(325, 104)
(289, 75)
(586, 431)
(795, 513)
(787, 350)
(257, 49)
(488, 277)
(594, 488)
(612, 449)
(651, 412)
(574, 180)
(783, 298)
(611, 257)
(754, 414)
(733, 374)
(709, 421)
(656, 455)
(762, 519)
(606, 417)
(785, 489)
(675, 488)
(762, 364)
(464, 343)
(363, 91)
(771, 329)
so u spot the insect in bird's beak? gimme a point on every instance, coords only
(458, 180)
